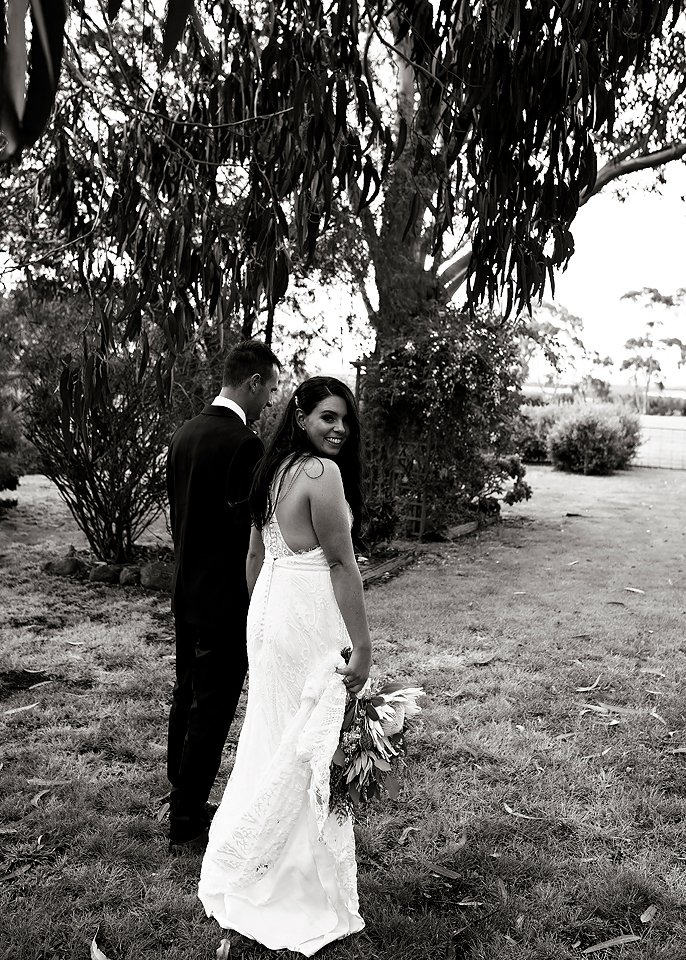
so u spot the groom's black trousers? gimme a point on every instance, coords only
(211, 664)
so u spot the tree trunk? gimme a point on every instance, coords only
(407, 290)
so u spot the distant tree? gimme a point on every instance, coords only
(648, 350)
(555, 335)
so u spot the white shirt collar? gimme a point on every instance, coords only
(232, 405)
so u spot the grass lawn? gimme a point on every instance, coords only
(544, 808)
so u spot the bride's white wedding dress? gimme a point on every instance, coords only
(278, 867)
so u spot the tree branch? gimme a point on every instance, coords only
(366, 217)
(202, 38)
(367, 302)
(613, 169)
(455, 273)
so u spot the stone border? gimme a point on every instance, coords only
(157, 575)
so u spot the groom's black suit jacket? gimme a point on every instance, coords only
(210, 465)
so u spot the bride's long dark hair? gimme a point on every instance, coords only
(290, 442)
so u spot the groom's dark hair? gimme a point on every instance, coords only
(249, 357)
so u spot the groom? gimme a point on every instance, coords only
(210, 465)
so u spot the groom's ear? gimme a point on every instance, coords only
(254, 382)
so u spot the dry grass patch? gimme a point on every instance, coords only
(538, 818)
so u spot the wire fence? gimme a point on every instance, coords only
(663, 443)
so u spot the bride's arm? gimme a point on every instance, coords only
(332, 526)
(255, 559)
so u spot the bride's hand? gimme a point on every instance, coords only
(357, 669)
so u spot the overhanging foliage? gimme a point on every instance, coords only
(234, 154)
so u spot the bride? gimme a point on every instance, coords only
(278, 867)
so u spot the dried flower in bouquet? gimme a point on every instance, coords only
(372, 744)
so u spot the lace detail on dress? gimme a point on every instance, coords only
(276, 546)
(260, 833)
(274, 816)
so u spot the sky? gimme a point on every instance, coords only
(623, 246)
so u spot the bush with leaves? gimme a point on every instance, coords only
(532, 431)
(112, 474)
(594, 439)
(10, 439)
(10, 430)
(666, 407)
(440, 414)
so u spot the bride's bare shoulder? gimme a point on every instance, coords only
(320, 468)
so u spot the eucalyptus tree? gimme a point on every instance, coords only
(182, 192)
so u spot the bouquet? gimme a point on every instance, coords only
(372, 744)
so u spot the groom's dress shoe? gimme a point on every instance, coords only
(193, 845)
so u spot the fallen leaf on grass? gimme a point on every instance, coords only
(616, 942)
(29, 706)
(75, 643)
(42, 683)
(35, 782)
(615, 708)
(654, 713)
(96, 952)
(405, 834)
(35, 800)
(522, 816)
(162, 812)
(224, 950)
(677, 750)
(480, 660)
(4, 831)
(649, 913)
(573, 563)
(471, 903)
(658, 673)
(616, 603)
(443, 871)
(586, 689)
(502, 890)
(634, 590)
(519, 593)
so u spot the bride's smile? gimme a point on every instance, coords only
(327, 425)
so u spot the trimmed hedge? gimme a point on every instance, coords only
(580, 438)
(594, 439)
(667, 406)
(533, 430)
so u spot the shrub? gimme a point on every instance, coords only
(533, 430)
(10, 437)
(10, 427)
(108, 464)
(113, 480)
(439, 415)
(594, 439)
(667, 406)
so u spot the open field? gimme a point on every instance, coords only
(544, 806)
(663, 442)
